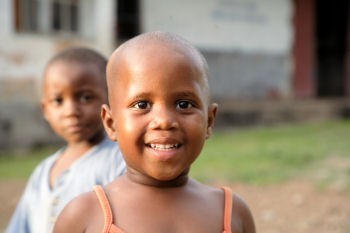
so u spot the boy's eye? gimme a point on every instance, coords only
(142, 105)
(57, 100)
(184, 104)
(85, 98)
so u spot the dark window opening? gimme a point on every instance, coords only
(128, 24)
(47, 16)
(56, 15)
(26, 15)
(65, 16)
(331, 36)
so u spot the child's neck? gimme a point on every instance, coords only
(77, 149)
(71, 153)
(138, 178)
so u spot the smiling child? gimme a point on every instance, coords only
(160, 113)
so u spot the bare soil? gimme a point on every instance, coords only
(291, 207)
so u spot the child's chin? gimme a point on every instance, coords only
(170, 178)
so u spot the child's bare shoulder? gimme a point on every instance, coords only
(242, 218)
(81, 213)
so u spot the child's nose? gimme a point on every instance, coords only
(163, 118)
(71, 108)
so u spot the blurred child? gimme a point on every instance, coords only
(73, 90)
(160, 113)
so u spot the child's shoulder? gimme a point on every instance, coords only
(236, 210)
(242, 217)
(80, 213)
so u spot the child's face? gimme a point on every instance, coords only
(159, 114)
(72, 97)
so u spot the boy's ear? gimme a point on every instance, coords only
(108, 122)
(211, 118)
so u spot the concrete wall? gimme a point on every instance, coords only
(247, 42)
(21, 121)
(224, 25)
(248, 76)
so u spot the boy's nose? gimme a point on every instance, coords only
(71, 108)
(163, 118)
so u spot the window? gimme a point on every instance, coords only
(49, 16)
(65, 15)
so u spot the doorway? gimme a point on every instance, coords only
(331, 47)
(128, 19)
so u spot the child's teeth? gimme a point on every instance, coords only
(163, 147)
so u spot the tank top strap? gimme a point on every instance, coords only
(107, 212)
(228, 209)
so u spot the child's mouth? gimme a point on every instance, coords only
(163, 147)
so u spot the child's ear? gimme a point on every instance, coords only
(211, 118)
(108, 122)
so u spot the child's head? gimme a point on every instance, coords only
(159, 106)
(73, 90)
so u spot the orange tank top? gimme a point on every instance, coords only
(109, 227)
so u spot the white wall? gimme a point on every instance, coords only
(235, 25)
(5, 18)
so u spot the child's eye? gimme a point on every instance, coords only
(184, 104)
(85, 98)
(142, 105)
(57, 100)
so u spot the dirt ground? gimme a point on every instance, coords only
(292, 207)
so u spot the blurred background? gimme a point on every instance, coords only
(272, 63)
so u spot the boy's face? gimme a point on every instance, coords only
(158, 113)
(72, 97)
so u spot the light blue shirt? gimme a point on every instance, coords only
(40, 204)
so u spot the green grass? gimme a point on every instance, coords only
(261, 155)
(270, 154)
(20, 164)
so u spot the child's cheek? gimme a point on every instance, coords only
(128, 124)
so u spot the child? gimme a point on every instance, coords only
(74, 88)
(160, 113)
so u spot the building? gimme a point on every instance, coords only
(258, 51)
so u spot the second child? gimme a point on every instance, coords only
(73, 90)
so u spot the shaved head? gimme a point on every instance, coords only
(160, 46)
